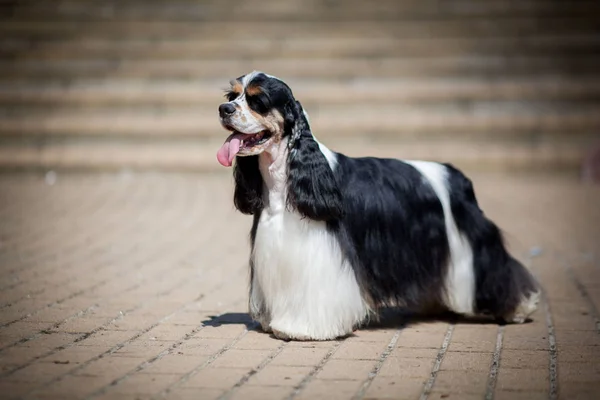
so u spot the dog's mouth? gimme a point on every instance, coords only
(249, 142)
(243, 144)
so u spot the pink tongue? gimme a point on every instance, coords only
(230, 148)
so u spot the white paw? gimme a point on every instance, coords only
(291, 336)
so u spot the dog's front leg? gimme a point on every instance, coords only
(257, 306)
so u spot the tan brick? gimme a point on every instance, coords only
(14, 389)
(533, 329)
(39, 373)
(257, 341)
(107, 339)
(112, 395)
(144, 384)
(407, 352)
(522, 379)
(360, 350)
(72, 355)
(174, 364)
(234, 358)
(202, 347)
(52, 315)
(574, 322)
(461, 381)
(132, 322)
(453, 394)
(218, 378)
(524, 359)
(221, 332)
(168, 332)
(83, 324)
(580, 372)
(578, 390)
(346, 369)
(526, 342)
(329, 390)
(261, 392)
(373, 335)
(138, 351)
(578, 353)
(416, 339)
(24, 329)
(279, 375)
(467, 338)
(51, 341)
(520, 395)
(571, 337)
(114, 367)
(394, 388)
(73, 387)
(185, 393)
(21, 354)
(406, 367)
(466, 361)
(300, 356)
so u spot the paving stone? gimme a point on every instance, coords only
(330, 390)
(204, 348)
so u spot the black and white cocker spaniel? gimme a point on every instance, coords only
(336, 238)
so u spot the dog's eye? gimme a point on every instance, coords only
(230, 96)
(258, 104)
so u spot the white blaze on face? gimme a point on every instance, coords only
(244, 120)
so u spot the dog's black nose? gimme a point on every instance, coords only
(226, 109)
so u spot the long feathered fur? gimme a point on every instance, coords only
(335, 238)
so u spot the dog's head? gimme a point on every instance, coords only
(260, 110)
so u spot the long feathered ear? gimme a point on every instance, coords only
(312, 188)
(247, 196)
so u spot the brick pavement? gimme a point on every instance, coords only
(130, 286)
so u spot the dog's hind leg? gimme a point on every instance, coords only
(509, 293)
(525, 295)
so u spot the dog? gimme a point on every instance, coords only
(336, 239)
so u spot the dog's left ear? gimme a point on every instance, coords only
(312, 188)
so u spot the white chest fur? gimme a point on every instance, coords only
(307, 287)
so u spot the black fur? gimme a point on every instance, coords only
(247, 196)
(500, 280)
(386, 217)
(312, 187)
(393, 231)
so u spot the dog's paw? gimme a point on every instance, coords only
(286, 336)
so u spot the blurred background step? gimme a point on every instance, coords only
(137, 83)
(305, 10)
(312, 92)
(140, 48)
(222, 70)
(326, 121)
(200, 156)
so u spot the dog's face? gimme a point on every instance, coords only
(256, 111)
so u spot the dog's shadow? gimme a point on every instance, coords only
(395, 318)
(231, 319)
(389, 318)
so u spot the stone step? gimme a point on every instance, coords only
(378, 120)
(226, 68)
(343, 48)
(312, 92)
(201, 155)
(423, 28)
(306, 10)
